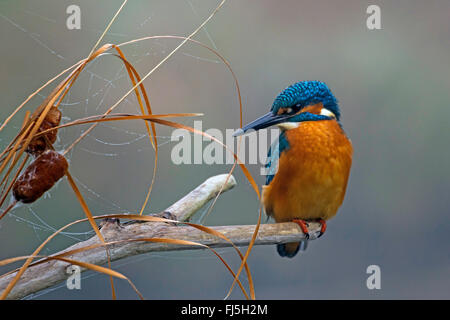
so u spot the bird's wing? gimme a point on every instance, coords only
(275, 151)
(272, 162)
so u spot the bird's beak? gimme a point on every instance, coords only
(267, 120)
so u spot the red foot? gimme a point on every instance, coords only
(323, 228)
(303, 225)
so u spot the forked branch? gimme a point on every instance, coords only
(43, 275)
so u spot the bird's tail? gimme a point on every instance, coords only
(290, 249)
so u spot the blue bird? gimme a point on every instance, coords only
(308, 167)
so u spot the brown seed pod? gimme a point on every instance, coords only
(40, 144)
(40, 176)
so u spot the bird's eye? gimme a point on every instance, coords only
(293, 109)
(289, 110)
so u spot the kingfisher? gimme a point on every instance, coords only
(308, 166)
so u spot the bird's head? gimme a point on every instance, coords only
(303, 101)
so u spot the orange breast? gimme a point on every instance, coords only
(312, 173)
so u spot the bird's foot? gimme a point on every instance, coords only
(323, 227)
(304, 226)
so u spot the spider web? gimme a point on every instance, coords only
(111, 149)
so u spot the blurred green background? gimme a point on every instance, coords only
(393, 88)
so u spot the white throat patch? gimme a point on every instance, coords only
(288, 125)
(292, 125)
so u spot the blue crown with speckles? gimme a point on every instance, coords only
(306, 93)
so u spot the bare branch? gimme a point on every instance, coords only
(41, 276)
(186, 207)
